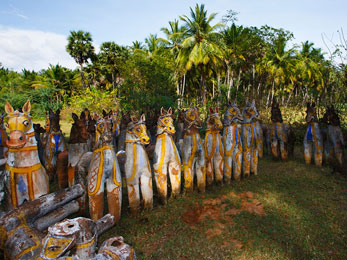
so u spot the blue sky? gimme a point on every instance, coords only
(33, 32)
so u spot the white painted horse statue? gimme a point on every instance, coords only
(137, 168)
(214, 149)
(54, 143)
(313, 141)
(193, 153)
(232, 143)
(26, 178)
(104, 171)
(166, 158)
(249, 140)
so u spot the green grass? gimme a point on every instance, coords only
(305, 218)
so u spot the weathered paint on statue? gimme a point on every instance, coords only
(78, 145)
(232, 143)
(26, 178)
(214, 149)
(104, 170)
(278, 134)
(21, 229)
(193, 153)
(75, 238)
(166, 158)
(313, 142)
(137, 168)
(333, 147)
(249, 139)
(54, 143)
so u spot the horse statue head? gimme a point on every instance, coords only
(331, 117)
(165, 122)
(213, 121)
(250, 112)
(192, 118)
(137, 129)
(79, 133)
(54, 119)
(232, 114)
(20, 125)
(104, 128)
(311, 114)
(276, 115)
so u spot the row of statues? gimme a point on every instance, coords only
(106, 152)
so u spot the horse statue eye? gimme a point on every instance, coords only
(26, 122)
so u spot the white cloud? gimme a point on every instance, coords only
(33, 49)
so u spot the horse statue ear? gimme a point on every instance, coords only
(211, 110)
(58, 112)
(74, 117)
(235, 102)
(169, 111)
(162, 111)
(133, 118)
(253, 102)
(8, 108)
(308, 105)
(229, 103)
(217, 110)
(143, 118)
(96, 116)
(104, 113)
(27, 107)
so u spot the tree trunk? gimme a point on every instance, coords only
(113, 81)
(82, 76)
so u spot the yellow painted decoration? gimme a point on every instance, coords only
(100, 169)
(28, 170)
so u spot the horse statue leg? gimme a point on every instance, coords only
(62, 162)
(200, 166)
(160, 163)
(188, 154)
(114, 192)
(175, 171)
(218, 161)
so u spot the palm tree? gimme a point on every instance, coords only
(279, 63)
(80, 47)
(200, 45)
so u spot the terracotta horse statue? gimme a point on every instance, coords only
(232, 142)
(214, 149)
(313, 141)
(137, 168)
(3, 138)
(90, 124)
(54, 143)
(278, 134)
(115, 128)
(334, 144)
(193, 153)
(26, 179)
(249, 139)
(166, 158)
(68, 160)
(104, 170)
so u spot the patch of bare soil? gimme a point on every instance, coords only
(216, 209)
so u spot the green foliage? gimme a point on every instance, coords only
(94, 99)
(147, 84)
